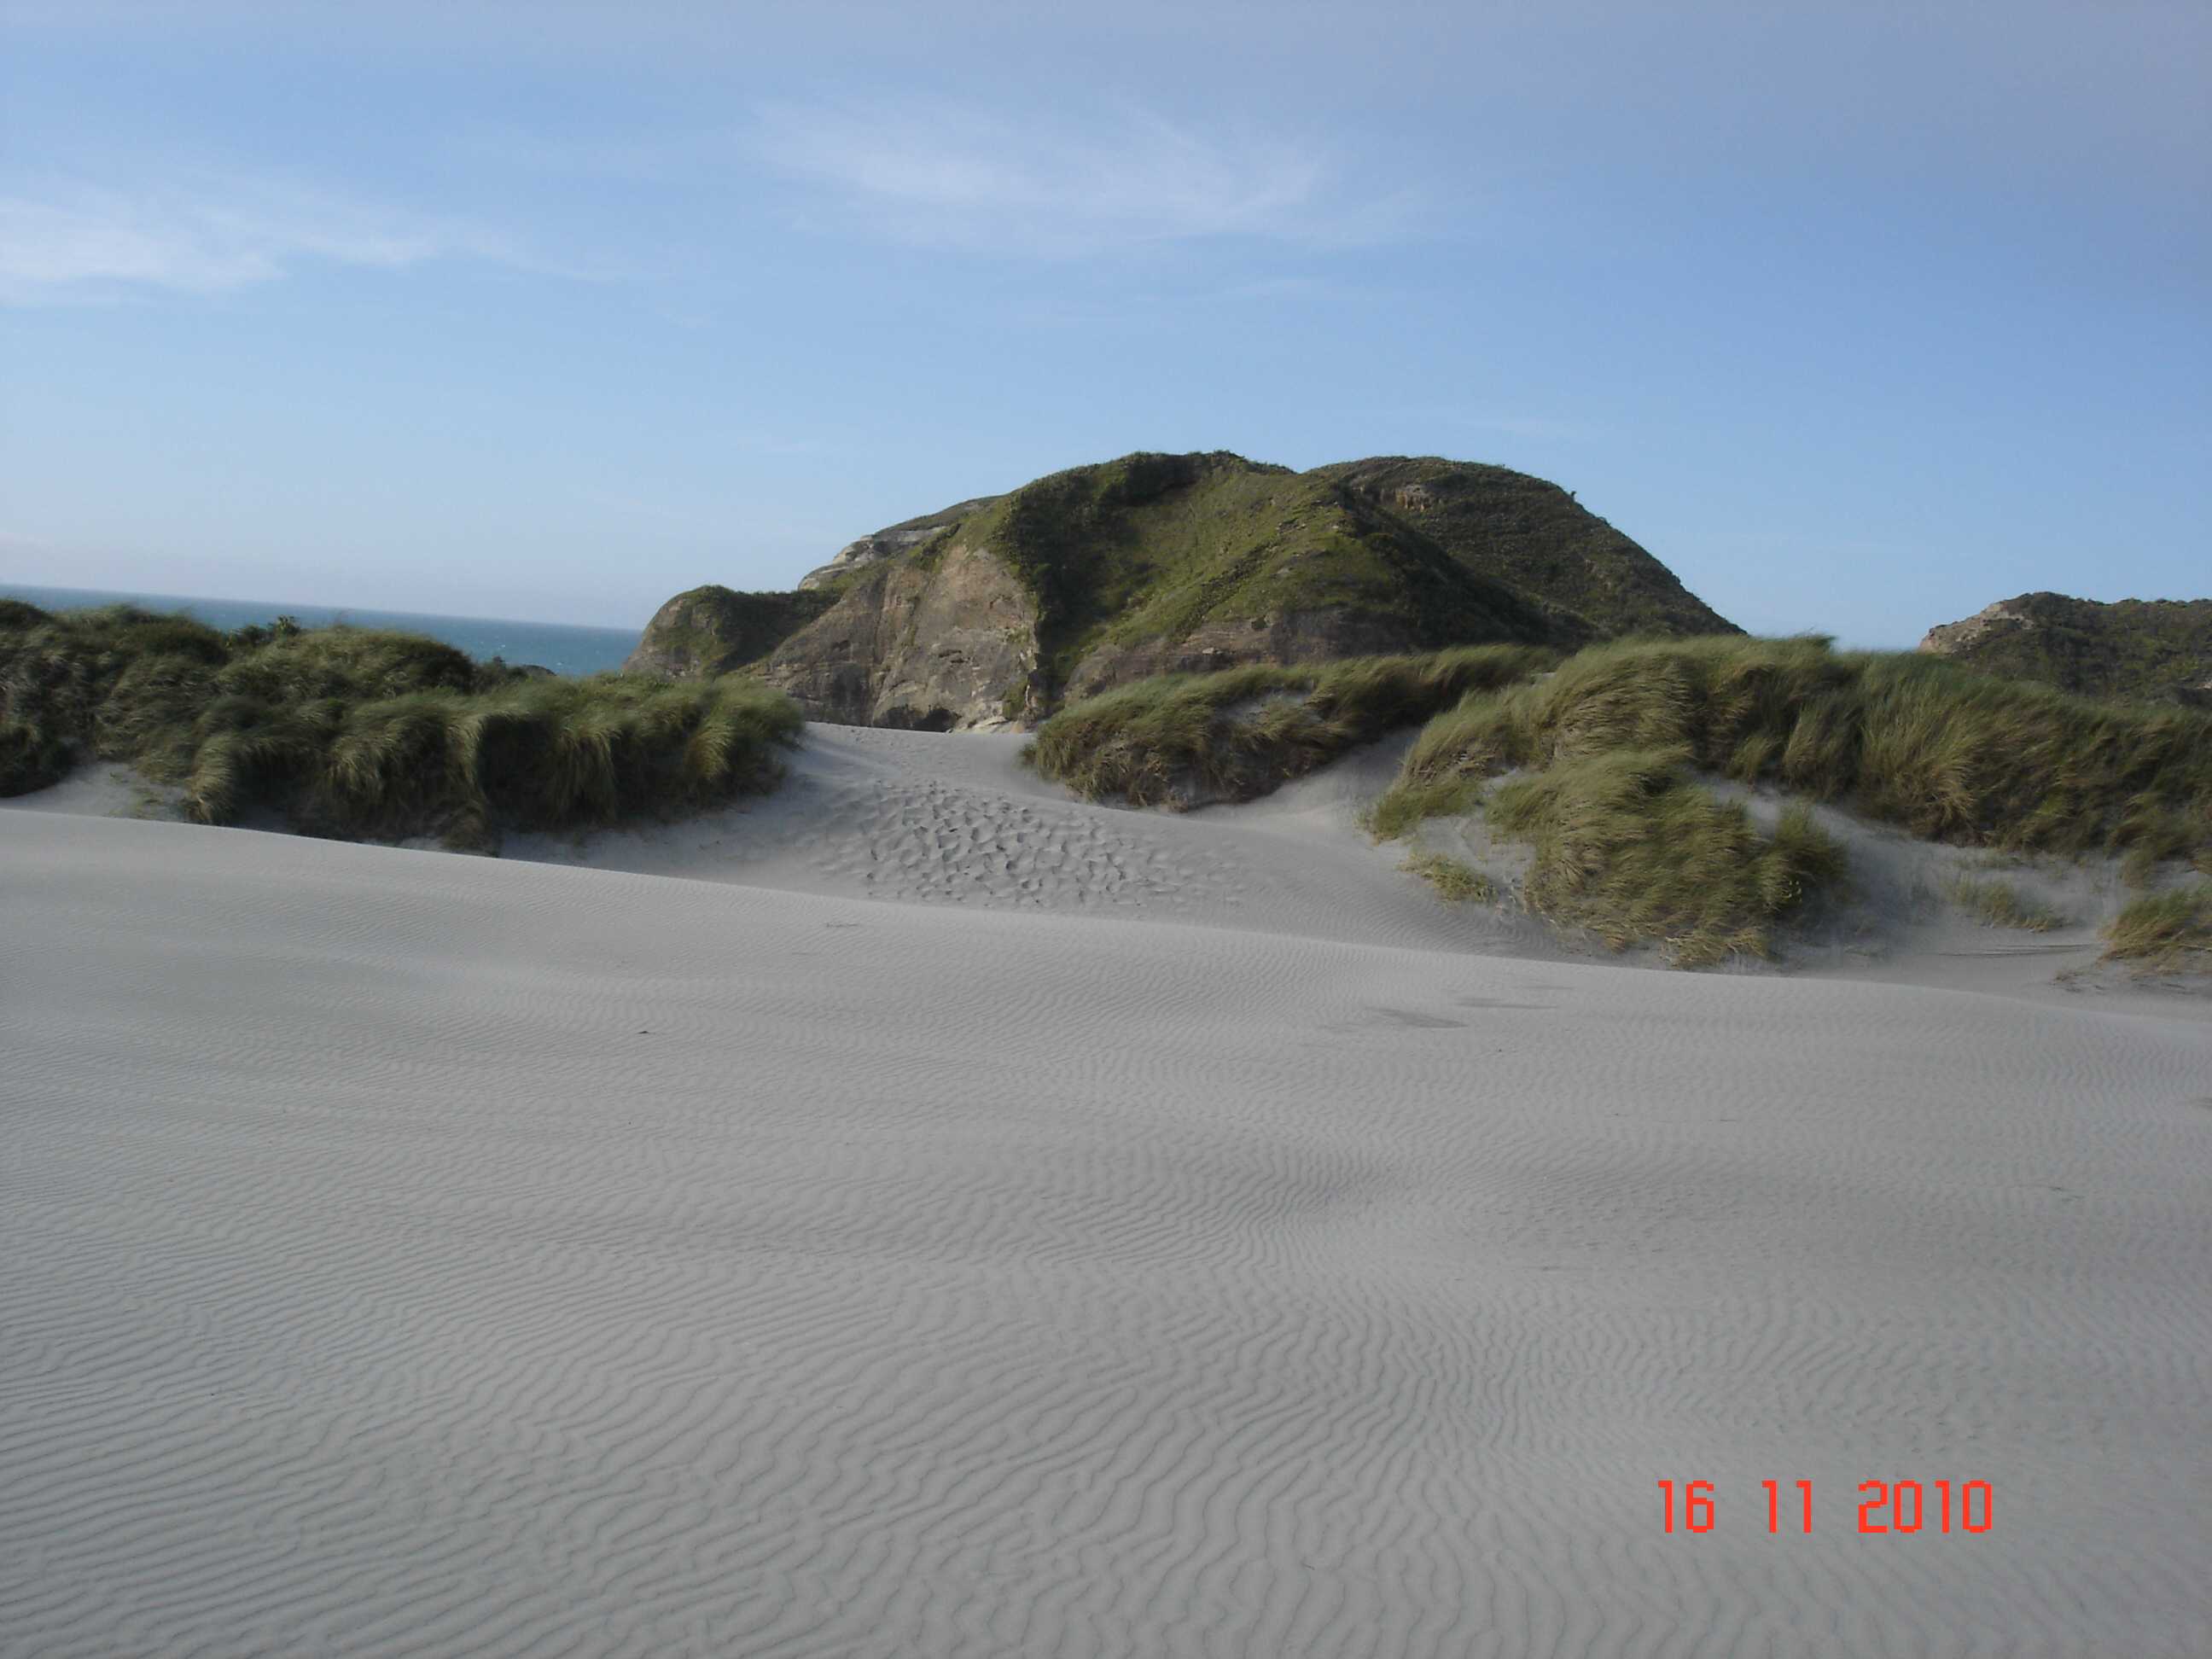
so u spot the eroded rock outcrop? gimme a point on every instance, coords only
(927, 645)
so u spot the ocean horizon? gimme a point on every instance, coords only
(563, 647)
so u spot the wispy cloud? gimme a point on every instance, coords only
(954, 175)
(65, 241)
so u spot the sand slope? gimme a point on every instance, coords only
(409, 1253)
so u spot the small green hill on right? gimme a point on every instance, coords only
(2148, 650)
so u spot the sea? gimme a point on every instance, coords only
(560, 647)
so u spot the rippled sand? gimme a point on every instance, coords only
(414, 1254)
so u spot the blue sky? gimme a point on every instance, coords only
(1860, 317)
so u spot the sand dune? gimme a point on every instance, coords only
(415, 1254)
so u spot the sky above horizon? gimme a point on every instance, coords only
(1859, 317)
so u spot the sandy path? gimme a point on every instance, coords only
(409, 1253)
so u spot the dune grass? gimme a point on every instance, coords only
(365, 733)
(1453, 880)
(1630, 849)
(1183, 738)
(1912, 740)
(1999, 904)
(2165, 933)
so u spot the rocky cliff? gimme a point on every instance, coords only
(1002, 607)
(2157, 649)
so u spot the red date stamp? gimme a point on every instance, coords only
(1884, 1506)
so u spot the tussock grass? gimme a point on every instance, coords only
(2165, 933)
(1999, 904)
(1627, 847)
(361, 732)
(1912, 740)
(1452, 879)
(1182, 739)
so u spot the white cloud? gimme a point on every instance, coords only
(953, 175)
(73, 242)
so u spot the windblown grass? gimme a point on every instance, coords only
(1999, 904)
(1182, 738)
(1627, 847)
(1453, 880)
(1909, 739)
(2165, 933)
(360, 732)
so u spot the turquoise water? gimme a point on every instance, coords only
(564, 649)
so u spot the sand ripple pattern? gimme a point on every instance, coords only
(929, 818)
(411, 1254)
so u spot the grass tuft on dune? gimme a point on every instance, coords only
(2000, 904)
(1602, 752)
(1181, 740)
(1629, 848)
(1459, 883)
(1911, 740)
(2165, 933)
(362, 732)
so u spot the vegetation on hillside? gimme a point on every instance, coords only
(1181, 739)
(1132, 564)
(2145, 649)
(1534, 536)
(362, 732)
(710, 630)
(1150, 548)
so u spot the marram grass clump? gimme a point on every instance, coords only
(1459, 883)
(365, 733)
(2165, 933)
(2000, 904)
(1909, 739)
(1181, 740)
(1630, 849)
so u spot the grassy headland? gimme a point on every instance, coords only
(364, 733)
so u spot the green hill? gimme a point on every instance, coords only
(2157, 650)
(1005, 606)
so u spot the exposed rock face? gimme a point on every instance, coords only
(1002, 607)
(885, 543)
(930, 646)
(2139, 648)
